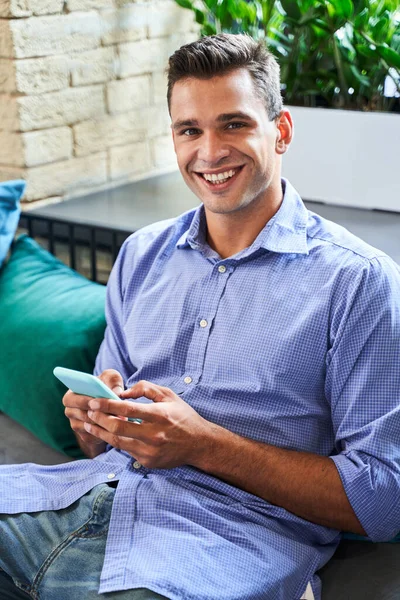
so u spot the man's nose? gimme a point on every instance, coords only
(212, 148)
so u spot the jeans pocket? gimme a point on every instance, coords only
(99, 520)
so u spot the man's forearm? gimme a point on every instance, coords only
(305, 484)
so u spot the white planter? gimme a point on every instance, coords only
(345, 157)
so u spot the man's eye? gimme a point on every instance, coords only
(235, 125)
(190, 131)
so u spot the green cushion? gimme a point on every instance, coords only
(49, 316)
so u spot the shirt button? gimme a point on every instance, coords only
(111, 475)
(188, 380)
(222, 268)
(203, 323)
(136, 465)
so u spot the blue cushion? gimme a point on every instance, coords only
(10, 194)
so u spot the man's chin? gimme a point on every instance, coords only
(224, 206)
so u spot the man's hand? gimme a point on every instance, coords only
(76, 409)
(170, 433)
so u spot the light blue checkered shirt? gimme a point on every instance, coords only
(301, 350)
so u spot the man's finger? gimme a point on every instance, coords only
(120, 427)
(117, 441)
(73, 400)
(113, 380)
(121, 408)
(149, 390)
(76, 414)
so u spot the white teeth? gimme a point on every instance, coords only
(220, 177)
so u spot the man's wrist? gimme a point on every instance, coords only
(209, 446)
(91, 449)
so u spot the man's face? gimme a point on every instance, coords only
(225, 145)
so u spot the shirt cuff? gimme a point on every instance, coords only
(372, 492)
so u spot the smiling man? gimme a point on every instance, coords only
(259, 345)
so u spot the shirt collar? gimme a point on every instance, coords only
(285, 233)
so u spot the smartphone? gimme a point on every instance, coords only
(87, 385)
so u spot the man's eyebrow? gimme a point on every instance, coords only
(225, 117)
(185, 123)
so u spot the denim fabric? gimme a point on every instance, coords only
(64, 558)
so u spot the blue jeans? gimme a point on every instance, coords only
(58, 555)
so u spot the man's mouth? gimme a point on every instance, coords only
(218, 180)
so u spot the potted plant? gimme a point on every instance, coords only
(340, 68)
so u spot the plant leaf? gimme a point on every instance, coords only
(200, 16)
(361, 78)
(361, 19)
(208, 29)
(344, 8)
(380, 30)
(291, 9)
(184, 3)
(390, 56)
(366, 51)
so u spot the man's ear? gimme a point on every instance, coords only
(284, 132)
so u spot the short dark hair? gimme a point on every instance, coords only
(226, 52)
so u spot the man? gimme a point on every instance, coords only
(266, 342)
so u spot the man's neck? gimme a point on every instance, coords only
(228, 234)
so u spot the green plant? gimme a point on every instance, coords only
(335, 53)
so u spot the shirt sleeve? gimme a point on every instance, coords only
(113, 353)
(363, 387)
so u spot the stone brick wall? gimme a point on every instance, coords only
(82, 92)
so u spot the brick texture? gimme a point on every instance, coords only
(50, 145)
(41, 75)
(166, 18)
(9, 113)
(11, 149)
(88, 4)
(6, 39)
(59, 34)
(14, 8)
(83, 92)
(127, 94)
(151, 55)
(159, 87)
(163, 153)
(7, 75)
(46, 7)
(94, 66)
(119, 130)
(129, 160)
(72, 176)
(124, 25)
(61, 108)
